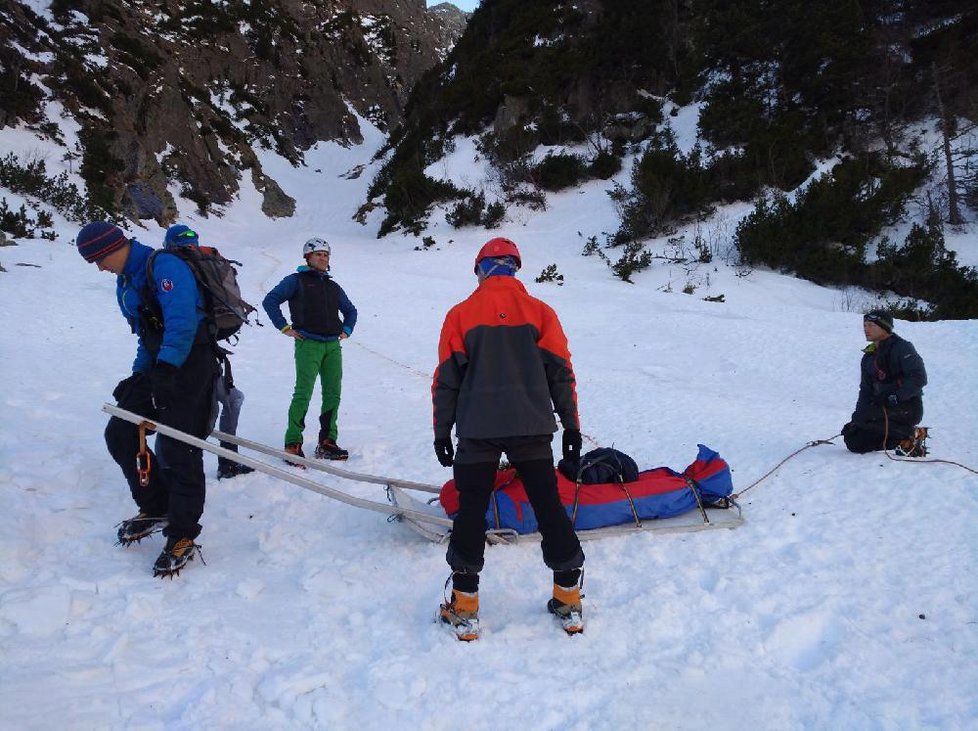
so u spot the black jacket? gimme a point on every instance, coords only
(892, 367)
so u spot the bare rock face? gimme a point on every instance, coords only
(450, 23)
(186, 94)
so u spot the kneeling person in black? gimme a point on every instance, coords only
(890, 403)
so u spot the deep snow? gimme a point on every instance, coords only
(848, 599)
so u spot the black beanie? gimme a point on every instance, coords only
(881, 318)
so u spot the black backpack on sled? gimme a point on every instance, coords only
(598, 466)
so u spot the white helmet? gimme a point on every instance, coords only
(315, 244)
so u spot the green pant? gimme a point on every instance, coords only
(315, 358)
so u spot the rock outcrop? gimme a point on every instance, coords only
(183, 96)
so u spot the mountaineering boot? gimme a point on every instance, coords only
(327, 449)
(296, 449)
(175, 556)
(566, 607)
(139, 526)
(462, 614)
(916, 446)
(228, 469)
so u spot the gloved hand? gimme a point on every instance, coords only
(122, 389)
(572, 443)
(163, 379)
(445, 452)
(892, 400)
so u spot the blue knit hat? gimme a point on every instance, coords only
(99, 239)
(180, 235)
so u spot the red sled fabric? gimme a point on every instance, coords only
(657, 493)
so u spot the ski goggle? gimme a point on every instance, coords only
(877, 320)
(188, 234)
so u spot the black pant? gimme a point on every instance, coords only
(869, 425)
(474, 481)
(176, 486)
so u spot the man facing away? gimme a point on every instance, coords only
(503, 369)
(229, 396)
(890, 401)
(316, 303)
(172, 382)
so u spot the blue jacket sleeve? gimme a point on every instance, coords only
(349, 313)
(175, 288)
(272, 304)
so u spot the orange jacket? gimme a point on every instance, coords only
(504, 366)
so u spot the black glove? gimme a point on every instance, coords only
(163, 379)
(892, 401)
(445, 452)
(122, 389)
(572, 443)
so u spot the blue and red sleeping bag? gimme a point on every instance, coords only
(657, 493)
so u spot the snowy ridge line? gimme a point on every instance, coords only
(318, 464)
(267, 469)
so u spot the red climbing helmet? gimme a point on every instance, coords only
(497, 247)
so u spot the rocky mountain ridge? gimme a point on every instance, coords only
(176, 97)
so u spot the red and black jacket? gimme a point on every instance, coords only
(504, 366)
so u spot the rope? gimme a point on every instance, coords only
(767, 474)
(817, 442)
(918, 460)
(427, 377)
(406, 367)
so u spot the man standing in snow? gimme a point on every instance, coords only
(503, 369)
(315, 303)
(227, 394)
(172, 382)
(890, 403)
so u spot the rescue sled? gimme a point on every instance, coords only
(656, 500)
(430, 520)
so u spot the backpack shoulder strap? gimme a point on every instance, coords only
(150, 279)
(178, 252)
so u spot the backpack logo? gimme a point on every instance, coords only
(166, 285)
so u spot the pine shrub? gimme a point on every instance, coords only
(559, 170)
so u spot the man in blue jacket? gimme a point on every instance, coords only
(316, 302)
(172, 382)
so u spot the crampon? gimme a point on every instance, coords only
(138, 527)
(915, 446)
(174, 557)
(566, 606)
(461, 613)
